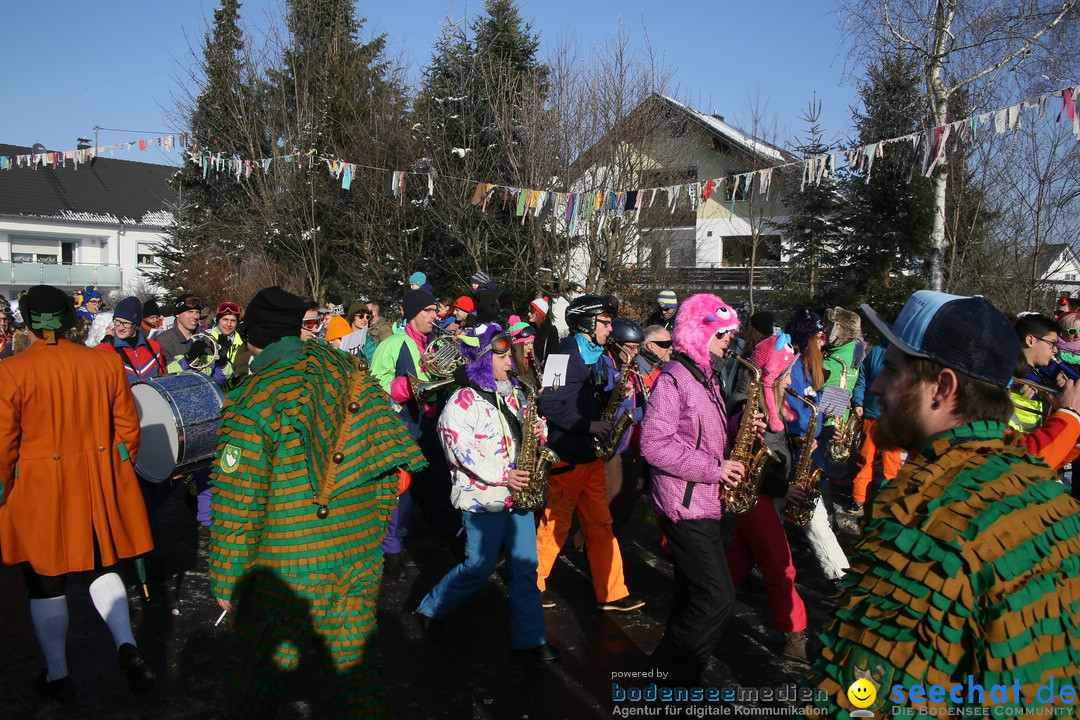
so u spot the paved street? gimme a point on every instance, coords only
(471, 674)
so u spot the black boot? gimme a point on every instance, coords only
(59, 690)
(140, 677)
(540, 655)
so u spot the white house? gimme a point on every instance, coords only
(707, 243)
(1058, 269)
(98, 224)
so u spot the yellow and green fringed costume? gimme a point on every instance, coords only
(305, 481)
(970, 566)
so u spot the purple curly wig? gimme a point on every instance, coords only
(479, 370)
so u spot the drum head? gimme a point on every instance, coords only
(160, 441)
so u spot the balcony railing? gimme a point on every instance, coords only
(720, 278)
(75, 275)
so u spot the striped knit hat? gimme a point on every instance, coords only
(667, 299)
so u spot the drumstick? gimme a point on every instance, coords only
(221, 617)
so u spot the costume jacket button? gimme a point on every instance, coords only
(354, 408)
(337, 458)
(101, 448)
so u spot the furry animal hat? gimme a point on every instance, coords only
(479, 370)
(774, 356)
(845, 326)
(803, 324)
(699, 318)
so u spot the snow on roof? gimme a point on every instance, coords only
(159, 218)
(735, 135)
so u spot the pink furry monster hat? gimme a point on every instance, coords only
(698, 319)
(774, 356)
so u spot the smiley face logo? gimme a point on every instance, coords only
(861, 693)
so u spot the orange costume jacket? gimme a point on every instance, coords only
(68, 437)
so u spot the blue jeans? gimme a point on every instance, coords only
(485, 535)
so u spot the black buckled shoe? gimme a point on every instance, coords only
(540, 655)
(140, 677)
(59, 690)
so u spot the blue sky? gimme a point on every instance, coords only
(69, 66)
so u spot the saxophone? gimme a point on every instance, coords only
(741, 498)
(533, 457)
(605, 449)
(807, 475)
(845, 431)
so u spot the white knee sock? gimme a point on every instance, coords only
(111, 600)
(50, 617)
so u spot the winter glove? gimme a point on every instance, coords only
(222, 356)
(198, 349)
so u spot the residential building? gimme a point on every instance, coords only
(673, 241)
(97, 223)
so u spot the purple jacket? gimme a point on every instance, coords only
(684, 437)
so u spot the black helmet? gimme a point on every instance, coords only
(582, 311)
(625, 330)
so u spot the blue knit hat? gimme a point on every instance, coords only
(130, 309)
(417, 278)
(667, 299)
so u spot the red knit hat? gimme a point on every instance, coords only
(464, 303)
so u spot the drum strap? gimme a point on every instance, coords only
(328, 480)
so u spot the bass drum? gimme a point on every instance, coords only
(178, 421)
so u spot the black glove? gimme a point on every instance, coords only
(198, 349)
(222, 355)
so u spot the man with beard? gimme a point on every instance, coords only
(968, 564)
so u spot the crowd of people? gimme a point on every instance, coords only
(956, 429)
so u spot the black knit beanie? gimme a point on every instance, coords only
(414, 301)
(273, 314)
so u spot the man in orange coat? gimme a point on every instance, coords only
(69, 501)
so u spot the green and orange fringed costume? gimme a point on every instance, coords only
(969, 566)
(305, 481)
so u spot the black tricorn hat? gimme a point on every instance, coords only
(48, 311)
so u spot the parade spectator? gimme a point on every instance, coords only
(176, 341)
(378, 327)
(73, 508)
(311, 324)
(478, 278)
(152, 318)
(293, 572)
(667, 304)
(950, 547)
(91, 305)
(547, 336)
(416, 280)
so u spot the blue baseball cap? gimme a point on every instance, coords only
(965, 334)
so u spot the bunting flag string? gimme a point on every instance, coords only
(929, 150)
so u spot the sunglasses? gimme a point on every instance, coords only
(1071, 332)
(662, 343)
(603, 322)
(311, 323)
(722, 334)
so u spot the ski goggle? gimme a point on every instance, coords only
(526, 333)
(499, 344)
(228, 308)
(311, 323)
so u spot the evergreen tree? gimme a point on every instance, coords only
(887, 226)
(478, 109)
(208, 211)
(812, 232)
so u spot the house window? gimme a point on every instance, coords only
(739, 251)
(737, 186)
(672, 247)
(46, 259)
(22, 257)
(146, 254)
(1070, 277)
